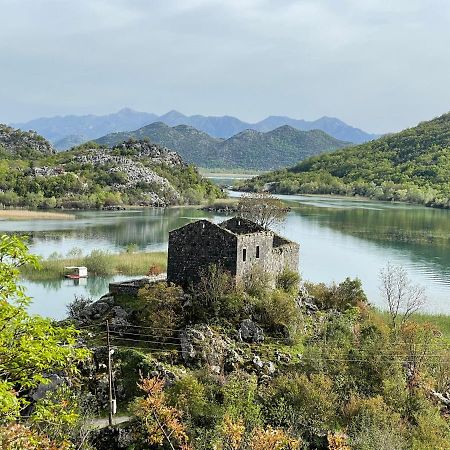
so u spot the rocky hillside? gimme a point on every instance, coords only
(249, 149)
(90, 176)
(23, 143)
(412, 166)
(193, 145)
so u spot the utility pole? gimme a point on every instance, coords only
(111, 412)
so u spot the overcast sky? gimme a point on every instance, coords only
(381, 65)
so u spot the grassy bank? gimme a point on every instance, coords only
(440, 321)
(99, 262)
(24, 214)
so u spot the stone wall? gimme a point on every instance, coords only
(250, 242)
(285, 256)
(194, 247)
(131, 287)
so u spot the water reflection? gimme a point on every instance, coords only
(338, 238)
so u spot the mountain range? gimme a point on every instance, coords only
(248, 149)
(67, 131)
(412, 165)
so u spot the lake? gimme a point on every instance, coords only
(338, 238)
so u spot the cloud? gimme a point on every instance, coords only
(376, 64)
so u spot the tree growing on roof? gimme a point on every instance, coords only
(262, 208)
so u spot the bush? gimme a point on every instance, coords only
(76, 309)
(257, 282)
(210, 295)
(99, 262)
(341, 297)
(160, 306)
(288, 281)
(373, 425)
(278, 312)
(305, 405)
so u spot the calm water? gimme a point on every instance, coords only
(337, 237)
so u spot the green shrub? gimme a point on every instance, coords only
(257, 282)
(278, 312)
(210, 294)
(306, 405)
(288, 281)
(99, 262)
(341, 297)
(160, 306)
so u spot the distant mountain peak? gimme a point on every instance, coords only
(87, 127)
(126, 110)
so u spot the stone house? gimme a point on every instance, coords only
(237, 245)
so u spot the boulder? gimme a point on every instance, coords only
(249, 331)
(201, 346)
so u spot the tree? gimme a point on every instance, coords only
(31, 347)
(263, 209)
(402, 296)
(161, 422)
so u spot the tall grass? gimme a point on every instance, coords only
(25, 214)
(100, 262)
(440, 321)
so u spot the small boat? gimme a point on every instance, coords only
(75, 272)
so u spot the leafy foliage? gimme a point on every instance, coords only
(31, 348)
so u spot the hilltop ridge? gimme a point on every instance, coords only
(249, 149)
(412, 165)
(92, 176)
(19, 143)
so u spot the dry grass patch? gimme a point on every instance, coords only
(25, 214)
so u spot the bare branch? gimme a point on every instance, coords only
(403, 298)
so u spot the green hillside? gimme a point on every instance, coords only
(249, 149)
(90, 176)
(412, 166)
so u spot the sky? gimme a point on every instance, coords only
(380, 65)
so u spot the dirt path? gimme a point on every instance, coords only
(103, 422)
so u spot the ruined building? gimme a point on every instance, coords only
(237, 245)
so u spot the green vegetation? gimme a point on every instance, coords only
(98, 262)
(32, 349)
(90, 176)
(247, 150)
(411, 166)
(330, 373)
(234, 367)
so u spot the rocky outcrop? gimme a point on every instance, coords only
(156, 154)
(24, 143)
(129, 173)
(201, 346)
(249, 331)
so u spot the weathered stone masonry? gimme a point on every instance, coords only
(238, 245)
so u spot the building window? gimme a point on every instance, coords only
(244, 254)
(257, 251)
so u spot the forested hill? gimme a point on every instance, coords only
(413, 166)
(89, 176)
(249, 149)
(27, 144)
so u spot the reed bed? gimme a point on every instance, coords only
(25, 214)
(102, 263)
